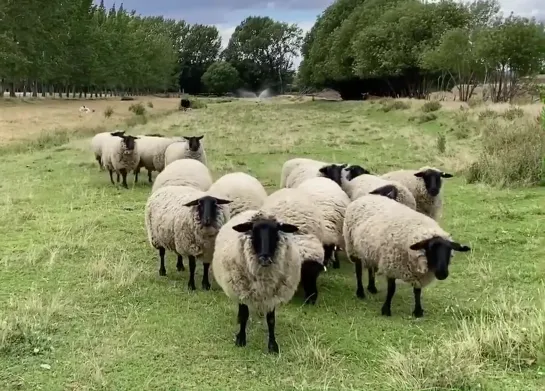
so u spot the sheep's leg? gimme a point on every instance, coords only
(243, 315)
(180, 264)
(111, 176)
(124, 176)
(162, 269)
(310, 270)
(117, 176)
(418, 310)
(99, 160)
(149, 176)
(192, 267)
(136, 172)
(205, 282)
(328, 252)
(386, 308)
(359, 272)
(336, 262)
(371, 287)
(273, 346)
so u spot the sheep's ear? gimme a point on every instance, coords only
(388, 191)
(420, 174)
(344, 165)
(192, 203)
(243, 227)
(323, 170)
(199, 137)
(221, 201)
(446, 175)
(458, 247)
(187, 138)
(420, 245)
(287, 228)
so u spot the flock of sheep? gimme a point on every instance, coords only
(263, 247)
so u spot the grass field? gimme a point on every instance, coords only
(83, 308)
(22, 119)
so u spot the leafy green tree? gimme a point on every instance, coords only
(199, 47)
(221, 77)
(262, 50)
(456, 55)
(511, 48)
(66, 46)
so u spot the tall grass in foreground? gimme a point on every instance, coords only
(505, 335)
(512, 155)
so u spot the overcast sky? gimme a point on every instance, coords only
(227, 14)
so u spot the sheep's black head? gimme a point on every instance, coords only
(194, 142)
(432, 180)
(207, 209)
(129, 142)
(438, 252)
(333, 172)
(264, 235)
(355, 171)
(389, 191)
(118, 133)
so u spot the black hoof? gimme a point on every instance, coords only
(372, 289)
(311, 300)
(418, 313)
(336, 265)
(386, 311)
(273, 347)
(191, 286)
(206, 286)
(240, 340)
(162, 272)
(360, 293)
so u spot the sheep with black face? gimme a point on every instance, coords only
(398, 242)
(425, 185)
(98, 141)
(293, 206)
(185, 220)
(120, 154)
(257, 264)
(190, 148)
(296, 171)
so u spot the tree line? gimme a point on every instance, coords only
(75, 47)
(358, 47)
(410, 47)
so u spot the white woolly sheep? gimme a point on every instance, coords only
(295, 171)
(425, 185)
(191, 148)
(184, 172)
(185, 220)
(364, 184)
(292, 206)
(120, 154)
(331, 202)
(257, 264)
(385, 236)
(244, 191)
(152, 153)
(97, 142)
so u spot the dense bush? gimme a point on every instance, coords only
(430, 106)
(512, 155)
(137, 108)
(220, 78)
